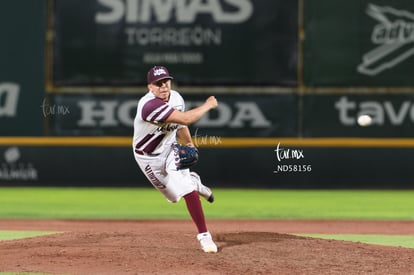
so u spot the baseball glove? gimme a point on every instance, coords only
(186, 156)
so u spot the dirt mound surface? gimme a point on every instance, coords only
(170, 247)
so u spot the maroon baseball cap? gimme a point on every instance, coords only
(157, 73)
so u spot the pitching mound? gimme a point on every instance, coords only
(170, 247)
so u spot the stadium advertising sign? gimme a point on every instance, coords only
(9, 97)
(243, 115)
(374, 49)
(16, 104)
(337, 115)
(393, 36)
(22, 32)
(14, 168)
(115, 42)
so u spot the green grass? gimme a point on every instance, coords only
(321, 204)
(23, 273)
(142, 203)
(388, 240)
(13, 235)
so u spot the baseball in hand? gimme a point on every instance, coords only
(364, 120)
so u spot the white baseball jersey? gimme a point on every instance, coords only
(152, 145)
(151, 134)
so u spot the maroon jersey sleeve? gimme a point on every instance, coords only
(156, 110)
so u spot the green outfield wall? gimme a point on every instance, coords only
(282, 165)
(291, 77)
(22, 60)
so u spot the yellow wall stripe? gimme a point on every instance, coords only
(212, 142)
(66, 141)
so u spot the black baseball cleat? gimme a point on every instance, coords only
(203, 190)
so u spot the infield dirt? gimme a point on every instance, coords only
(170, 247)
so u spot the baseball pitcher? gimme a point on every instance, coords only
(160, 119)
